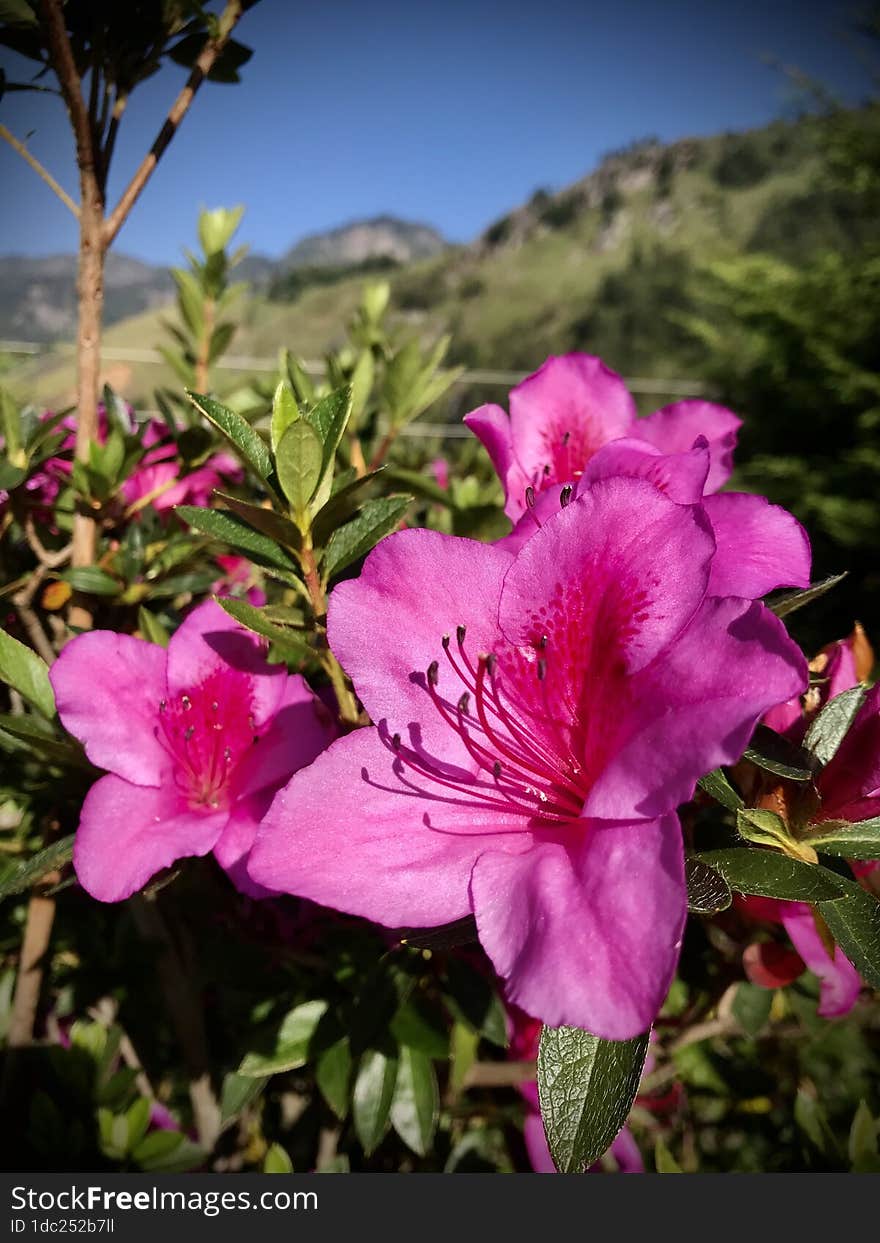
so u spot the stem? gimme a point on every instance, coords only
(40, 170)
(34, 946)
(185, 1014)
(201, 368)
(382, 451)
(357, 459)
(200, 70)
(348, 709)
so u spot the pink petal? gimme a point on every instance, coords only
(732, 663)
(349, 833)
(850, 782)
(839, 982)
(613, 577)
(536, 1144)
(210, 642)
(234, 844)
(759, 546)
(491, 425)
(387, 626)
(587, 933)
(108, 688)
(681, 476)
(128, 833)
(300, 730)
(675, 428)
(626, 1153)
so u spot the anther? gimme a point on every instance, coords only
(547, 468)
(464, 703)
(433, 673)
(491, 662)
(542, 669)
(460, 632)
(566, 438)
(186, 702)
(496, 769)
(565, 495)
(395, 742)
(188, 732)
(445, 641)
(214, 706)
(162, 705)
(530, 497)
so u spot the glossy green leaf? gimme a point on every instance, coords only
(857, 840)
(373, 1093)
(151, 628)
(768, 874)
(267, 521)
(298, 462)
(293, 642)
(783, 605)
(827, 731)
(237, 1093)
(353, 541)
(27, 673)
(586, 1087)
(27, 874)
(472, 998)
(717, 786)
(284, 412)
(333, 1075)
(231, 530)
(707, 891)
(751, 1007)
(92, 581)
(277, 1161)
(664, 1162)
(416, 1101)
(290, 1048)
(776, 754)
(854, 921)
(249, 443)
(29, 731)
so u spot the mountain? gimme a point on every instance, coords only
(38, 296)
(607, 264)
(350, 245)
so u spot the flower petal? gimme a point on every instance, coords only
(491, 425)
(387, 626)
(681, 476)
(349, 833)
(613, 577)
(587, 935)
(210, 642)
(732, 663)
(128, 833)
(300, 730)
(839, 982)
(675, 428)
(234, 844)
(759, 546)
(108, 688)
(850, 782)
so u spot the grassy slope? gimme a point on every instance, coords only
(533, 294)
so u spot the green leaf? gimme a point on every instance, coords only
(284, 412)
(751, 1007)
(664, 1161)
(717, 786)
(768, 874)
(10, 423)
(416, 1101)
(473, 999)
(167, 1152)
(25, 875)
(138, 1119)
(783, 605)
(813, 1121)
(766, 828)
(332, 1075)
(373, 1093)
(151, 628)
(854, 921)
(707, 891)
(237, 534)
(270, 523)
(291, 1044)
(353, 541)
(586, 1087)
(828, 729)
(773, 752)
(464, 1043)
(92, 581)
(857, 840)
(298, 462)
(250, 445)
(340, 507)
(420, 485)
(329, 417)
(294, 642)
(27, 673)
(29, 731)
(277, 1161)
(237, 1093)
(862, 1145)
(419, 1027)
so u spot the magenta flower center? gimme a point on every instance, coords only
(207, 732)
(526, 750)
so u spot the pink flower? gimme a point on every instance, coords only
(849, 784)
(440, 471)
(840, 666)
(196, 739)
(572, 406)
(839, 982)
(539, 716)
(238, 580)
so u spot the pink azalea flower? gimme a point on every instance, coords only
(196, 739)
(841, 665)
(572, 406)
(539, 715)
(849, 784)
(440, 471)
(839, 982)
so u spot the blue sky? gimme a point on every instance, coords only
(449, 112)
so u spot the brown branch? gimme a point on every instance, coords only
(34, 946)
(39, 170)
(52, 12)
(200, 70)
(500, 1074)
